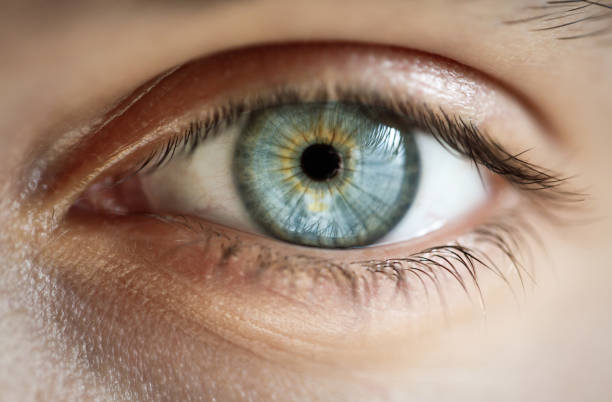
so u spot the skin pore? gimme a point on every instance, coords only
(98, 308)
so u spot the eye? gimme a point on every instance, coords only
(207, 182)
(319, 174)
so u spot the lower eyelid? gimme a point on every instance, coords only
(193, 231)
(229, 281)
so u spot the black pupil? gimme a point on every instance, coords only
(320, 162)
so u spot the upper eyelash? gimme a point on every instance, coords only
(556, 15)
(466, 139)
(452, 132)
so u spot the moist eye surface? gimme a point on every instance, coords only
(326, 174)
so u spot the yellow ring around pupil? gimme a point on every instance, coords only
(290, 155)
(326, 174)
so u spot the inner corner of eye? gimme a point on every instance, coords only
(326, 174)
(115, 196)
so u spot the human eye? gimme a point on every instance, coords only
(318, 172)
(255, 153)
(325, 174)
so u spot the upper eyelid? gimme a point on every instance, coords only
(450, 131)
(116, 145)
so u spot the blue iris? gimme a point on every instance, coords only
(326, 174)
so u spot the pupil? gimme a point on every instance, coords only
(320, 162)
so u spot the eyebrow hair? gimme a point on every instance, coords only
(576, 19)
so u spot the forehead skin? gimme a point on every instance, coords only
(560, 339)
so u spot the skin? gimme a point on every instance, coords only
(88, 312)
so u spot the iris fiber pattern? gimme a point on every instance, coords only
(351, 193)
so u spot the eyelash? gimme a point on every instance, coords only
(451, 131)
(503, 236)
(360, 278)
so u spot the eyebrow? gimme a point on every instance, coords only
(585, 18)
(575, 19)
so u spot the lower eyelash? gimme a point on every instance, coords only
(463, 261)
(454, 258)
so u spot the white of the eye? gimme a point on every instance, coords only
(449, 188)
(202, 185)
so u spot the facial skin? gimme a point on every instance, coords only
(98, 308)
